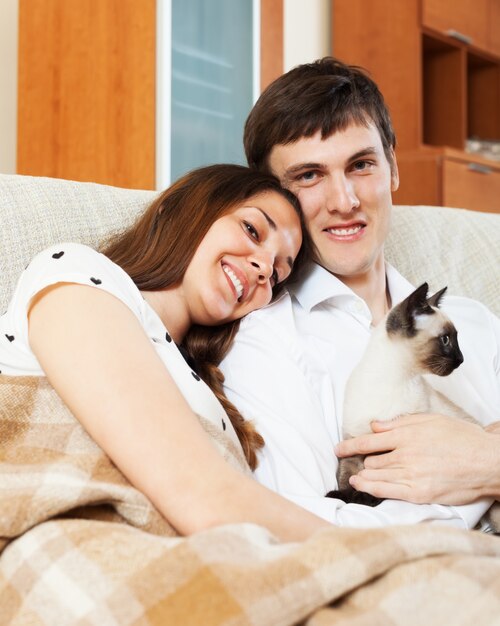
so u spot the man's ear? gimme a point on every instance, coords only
(394, 172)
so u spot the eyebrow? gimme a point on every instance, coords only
(316, 165)
(272, 224)
(363, 153)
(302, 166)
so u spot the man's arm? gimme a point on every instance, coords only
(432, 458)
(271, 383)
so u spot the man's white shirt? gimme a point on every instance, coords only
(287, 371)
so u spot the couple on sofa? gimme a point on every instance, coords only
(104, 328)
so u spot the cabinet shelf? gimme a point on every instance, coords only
(437, 62)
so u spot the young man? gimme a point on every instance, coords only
(324, 130)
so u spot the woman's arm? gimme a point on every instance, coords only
(98, 358)
(428, 458)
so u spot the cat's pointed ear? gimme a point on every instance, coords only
(417, 301)
(401, 318)
(436, 298)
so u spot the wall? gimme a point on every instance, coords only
(306, 37)
(307, 31)
(8, 85)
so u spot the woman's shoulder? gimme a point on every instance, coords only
(67, 253)
(69, 262)
(74, 258)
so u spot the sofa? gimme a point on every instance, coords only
(443, 246)
(80, 545)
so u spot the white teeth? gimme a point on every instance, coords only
(345, 231)
(234, 279)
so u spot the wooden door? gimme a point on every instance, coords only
(87, 90)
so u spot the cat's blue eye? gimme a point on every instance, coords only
(445, 340)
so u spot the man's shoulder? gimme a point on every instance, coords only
(470, 315)
(464, 304)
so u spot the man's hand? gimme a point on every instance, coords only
(428, 458)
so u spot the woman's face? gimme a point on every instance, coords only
(242, 257)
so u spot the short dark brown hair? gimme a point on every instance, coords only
(327, 95)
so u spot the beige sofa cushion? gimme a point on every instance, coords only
(453, 247)
(443, 246)
(36, 212)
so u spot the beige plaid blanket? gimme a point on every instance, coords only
(79, 545)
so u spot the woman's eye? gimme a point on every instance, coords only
(252, 231)
(274, 278)
(445, 339)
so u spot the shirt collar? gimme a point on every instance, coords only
(318, 285)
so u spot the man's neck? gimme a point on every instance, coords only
(372, 287)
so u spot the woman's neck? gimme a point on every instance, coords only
(170, 306)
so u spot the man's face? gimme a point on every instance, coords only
(344, 184)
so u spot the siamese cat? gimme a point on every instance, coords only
(415, 338)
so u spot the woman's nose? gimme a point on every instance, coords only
(263, 266)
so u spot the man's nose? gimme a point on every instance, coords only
(342, 197)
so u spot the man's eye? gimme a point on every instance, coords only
(252, 231)
(360, 166)
(307, 177)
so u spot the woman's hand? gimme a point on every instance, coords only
(428, 458)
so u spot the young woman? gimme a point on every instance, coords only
(105, 328)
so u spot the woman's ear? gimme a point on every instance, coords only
(394, 172)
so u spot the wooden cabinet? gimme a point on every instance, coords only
(470, 183)
(447, 177)
(87, 87)
(494, 28)
(464, 20)
(437, 62)
(86, 91)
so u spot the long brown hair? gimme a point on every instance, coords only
(157, 249)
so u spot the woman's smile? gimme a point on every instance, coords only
(244, 254)
(236, 280)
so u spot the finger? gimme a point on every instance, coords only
(381, 489)
(365, 444)
(381, 461)
(402, 420)
(396, 475)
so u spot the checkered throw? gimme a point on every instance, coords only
(79, 545)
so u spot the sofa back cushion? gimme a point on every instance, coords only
(36, 212)
(442, 246)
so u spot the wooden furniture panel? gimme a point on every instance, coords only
(271, 41)
(483, 97)
(87, 90)
(494, 27)
(471, 185)
(458, 17)
(383, 36)
(440, 89)
(420, 179)
(444, 79)
(445, 177)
